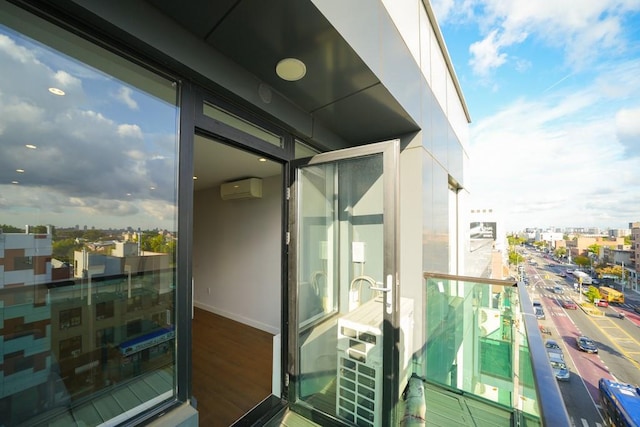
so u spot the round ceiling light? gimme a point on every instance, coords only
(291, 69)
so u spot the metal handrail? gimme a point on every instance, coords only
(552, 409)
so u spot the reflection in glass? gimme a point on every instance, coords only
(476, 342)
(232, 120)
(340, 314)
(87, 235)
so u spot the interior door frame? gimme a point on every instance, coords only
(390, 151)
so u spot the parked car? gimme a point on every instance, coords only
(586, 344)
(552, 347)
(636, 308)
(569, 305)
(602, 303)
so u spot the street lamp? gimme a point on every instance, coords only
(580, 285)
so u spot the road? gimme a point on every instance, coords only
(618, 341)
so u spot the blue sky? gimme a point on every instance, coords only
(553, 90)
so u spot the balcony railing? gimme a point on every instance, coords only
(482, 345)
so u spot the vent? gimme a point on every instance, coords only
(250, 188)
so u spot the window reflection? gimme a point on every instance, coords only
(87, 232)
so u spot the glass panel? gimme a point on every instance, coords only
(476, 342)
(88, 179)
(239, 123)
(340, 261)
(302, 150)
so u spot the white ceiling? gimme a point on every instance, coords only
(216, 162)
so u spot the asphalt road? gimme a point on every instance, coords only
(618, 341)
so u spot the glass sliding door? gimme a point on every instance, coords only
(89, 166)
(343, 276)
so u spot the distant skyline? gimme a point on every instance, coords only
(553, 90)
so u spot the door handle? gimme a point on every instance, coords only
(385, 289)
(380, 287)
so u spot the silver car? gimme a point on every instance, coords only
(560, 369)
(552, 347)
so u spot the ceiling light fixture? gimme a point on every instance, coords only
(31, 146)
(262, 159)
(20, 170)
(56, 91)
(291, 69)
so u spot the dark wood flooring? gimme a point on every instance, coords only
(232, 365)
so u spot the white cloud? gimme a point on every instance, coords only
(66, 80)
(485, 54)
(583, 30)
(125, 95)
(130, 131)
(15, 52)
(563, 156)
(443, 9)
(628, 129)
(92, 164)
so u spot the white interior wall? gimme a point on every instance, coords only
(237, 255)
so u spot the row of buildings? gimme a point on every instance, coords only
(614, 247)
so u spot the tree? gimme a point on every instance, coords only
(582, 261)
(10, 229)
(560, 252)
(594, 249)
(593, 293)
(611, 270)
(93, 235)
(39, 229)
(63, 249)
(515, 258)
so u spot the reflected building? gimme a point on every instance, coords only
(64, 339)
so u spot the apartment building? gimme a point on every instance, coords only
(314, 176)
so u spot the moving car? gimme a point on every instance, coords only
(569, 305)
(552, 347)
(559, 367)
(636, 308)
(558, 289)
(602, 303)
(539, 313)
(586, 344)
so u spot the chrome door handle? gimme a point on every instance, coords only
(380, 288)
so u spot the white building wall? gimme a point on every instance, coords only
(236, 267)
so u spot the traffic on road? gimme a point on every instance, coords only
(585, 341)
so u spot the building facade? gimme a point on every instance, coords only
(308, 175)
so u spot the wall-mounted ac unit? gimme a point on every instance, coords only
(250, 188)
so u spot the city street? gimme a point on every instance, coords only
(617, 339)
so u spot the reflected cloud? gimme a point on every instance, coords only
(91, 152)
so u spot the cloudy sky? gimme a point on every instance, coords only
(553, 89)
(80, 147)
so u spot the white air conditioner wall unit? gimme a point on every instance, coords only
(250, 188)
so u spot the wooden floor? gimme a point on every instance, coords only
(232, 365)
